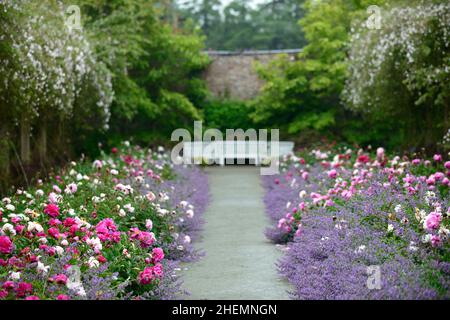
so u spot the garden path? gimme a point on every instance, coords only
(239, 261)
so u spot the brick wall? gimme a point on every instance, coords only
(232, 74)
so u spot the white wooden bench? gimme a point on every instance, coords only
(221, 152)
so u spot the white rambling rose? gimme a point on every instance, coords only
(93, 263)
(14, 275)
(390, 228)
(34, 226)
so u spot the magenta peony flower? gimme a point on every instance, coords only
(436, 241)
(52, 210)
(107, 231)
(146, 276)
(8, 285)
(23, 289)
(437, 157)
(54, 232)
(61, 279)
(157, 254)
(62, 297)
(6, 245)
(3, 294)
(32, 298)
(415, 162)
(146, 239)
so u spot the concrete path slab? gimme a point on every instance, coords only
(239, 262)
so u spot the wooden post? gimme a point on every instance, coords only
(5, 163)
(43, 143)
(25, 132)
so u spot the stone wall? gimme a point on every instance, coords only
(232, 74)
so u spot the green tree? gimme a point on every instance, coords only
(304, 94)
(409, 55)
(156, 68)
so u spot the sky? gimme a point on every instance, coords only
(252, 2)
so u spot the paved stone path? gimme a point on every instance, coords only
(239, 261)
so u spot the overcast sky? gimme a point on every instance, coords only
(253, 2)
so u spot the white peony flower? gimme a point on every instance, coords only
(41, 268)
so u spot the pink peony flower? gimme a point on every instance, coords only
(380, 154)
(431, 180)
(146, 276)
(447, 165)
(53, 197)
(158, 270)
(52, 210)
(439, 176)
(62, 297)
(151, 196)
(157, 254)
(97, 164)
(433, 220)
(437, 157)
(302, 206)
(416, 162)
(6, 245)
(298, 233)
(332, 174)
(71, 188)
(305, 175)
(32, 298)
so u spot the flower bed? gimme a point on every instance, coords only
(347, 215)
(112, 229)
